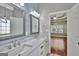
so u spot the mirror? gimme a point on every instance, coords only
(34, 24)
(14, 27)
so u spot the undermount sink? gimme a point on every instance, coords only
(5, 48)
(32, 42)
(11, 51)
(4, 51)
(25, 49)
(27, 45)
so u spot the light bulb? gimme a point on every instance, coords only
(22, 4)
(54, 18)
(35, 13)
(4, 17)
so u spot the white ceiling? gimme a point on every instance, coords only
(49, 7)
(53, 7)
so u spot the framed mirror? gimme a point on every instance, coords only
(12, 22)
(34, 25)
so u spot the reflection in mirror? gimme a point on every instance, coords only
(34, 21)
(14, 27)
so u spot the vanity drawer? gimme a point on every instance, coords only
(44, 47)
(35, 52)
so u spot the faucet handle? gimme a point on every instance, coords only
(14, 43)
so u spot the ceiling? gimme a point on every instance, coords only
(49, 7)
(54, 7)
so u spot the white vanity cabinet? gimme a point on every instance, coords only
(44, 48)
(41, 50)
(35, 52)
(30, 48)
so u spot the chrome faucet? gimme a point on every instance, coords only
(16, 43)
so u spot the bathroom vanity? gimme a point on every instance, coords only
(32, 47)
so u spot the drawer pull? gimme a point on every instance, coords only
(19, 55)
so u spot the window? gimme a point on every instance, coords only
(4, 27)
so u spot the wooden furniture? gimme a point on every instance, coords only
(59, 45)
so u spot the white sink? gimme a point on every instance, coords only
(25, 49)
(20, 49)
(32, 42)
(14, 51)
(5, 49)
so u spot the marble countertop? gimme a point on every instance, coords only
(20, 50)
(35, 43)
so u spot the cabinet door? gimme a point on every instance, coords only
(35, 52)
(46, 49)
(59, 46)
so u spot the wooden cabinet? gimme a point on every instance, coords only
(59, 45)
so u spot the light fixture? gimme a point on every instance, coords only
(4, 18)
(34, 13)
(22, 4)
(54, 18)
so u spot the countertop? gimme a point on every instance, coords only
(35, 43)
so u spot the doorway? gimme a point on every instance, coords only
(58, 34)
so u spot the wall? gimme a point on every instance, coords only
(73, 30)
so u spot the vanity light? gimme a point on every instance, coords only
(22, 4)
(54, 18)
(34, 13)
(3, 20)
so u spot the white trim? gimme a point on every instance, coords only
(63, 11)
(49, 35)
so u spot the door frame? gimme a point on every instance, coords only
(52, 13)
